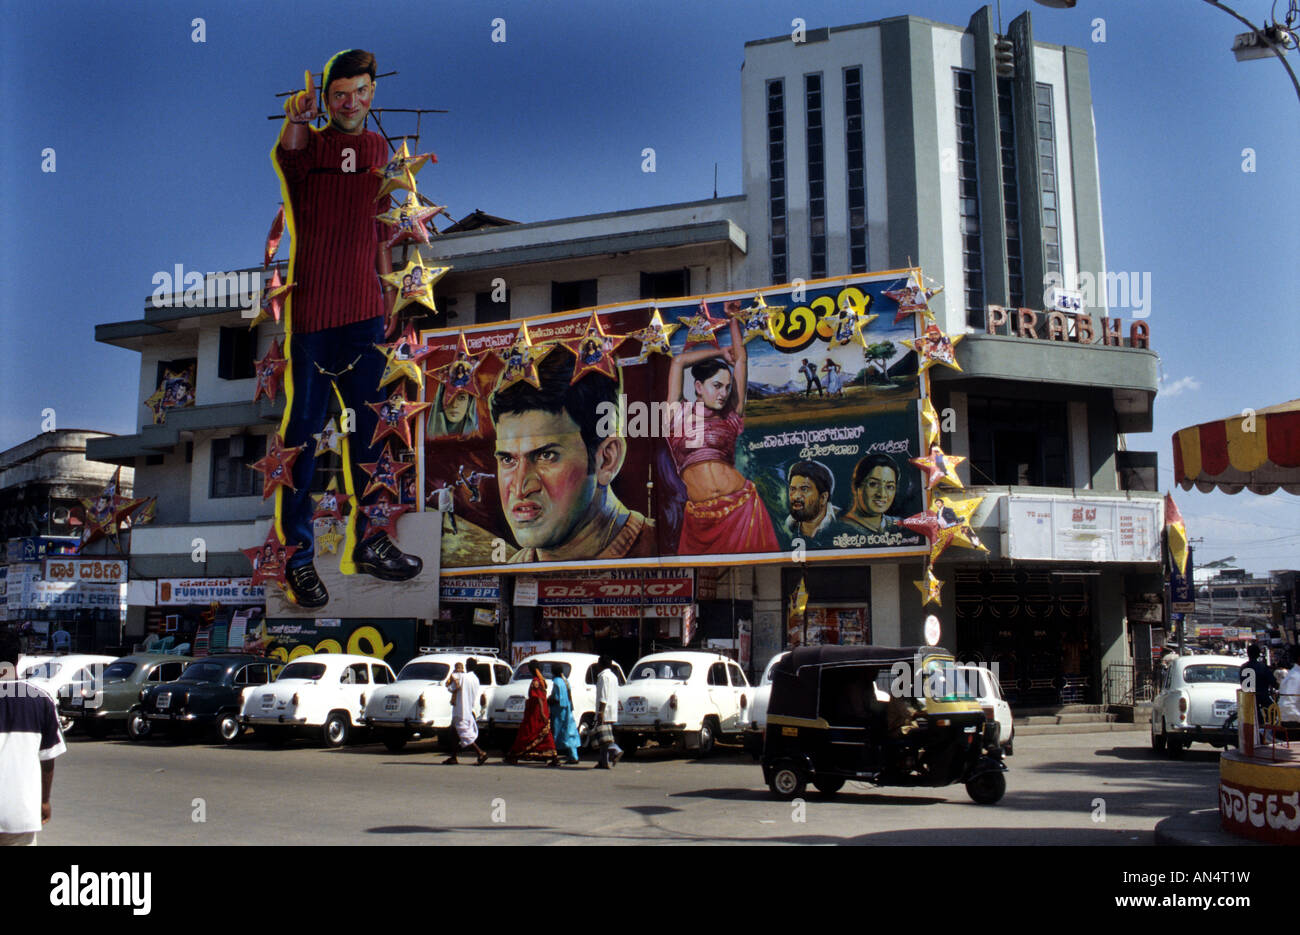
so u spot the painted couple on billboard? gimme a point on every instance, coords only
(707, 438)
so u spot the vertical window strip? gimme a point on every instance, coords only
(1010, 191)
(1047, 169)
(816, 143)
(968, 196)
(855, 158)
(776, 178)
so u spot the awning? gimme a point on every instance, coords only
(1259, 451)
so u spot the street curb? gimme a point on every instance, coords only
(1198, 828)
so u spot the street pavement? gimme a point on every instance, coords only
(1102, 788)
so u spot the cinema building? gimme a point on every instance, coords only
(871, 147)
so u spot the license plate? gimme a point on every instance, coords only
(1224, 708)
(391, 703)
(268, 701)
(515, 704)
(164, 700)
(76, 700)
(636, 706)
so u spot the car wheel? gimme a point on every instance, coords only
(228, 728)
(137, 725)
(1157, 740)
(987, 788)
(707, 736)
(335, 731)
(788, 781)
(828, 785)
(1175, 747)
(65, 723)
(395, 740)
(96, 730)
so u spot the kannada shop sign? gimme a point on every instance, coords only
(1091, 530)
(86, 569)
(716, 430)
(174, 592)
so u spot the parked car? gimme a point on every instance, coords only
(208, 695)
(324, 694)
(980, 685)
(418, 704)
(580, 671)
(758, 708)
(114, 699)
(684, 698)
(62, 676)
(1196, 697)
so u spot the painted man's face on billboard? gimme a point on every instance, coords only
(806, 502)
(348, 101)
(546, 489)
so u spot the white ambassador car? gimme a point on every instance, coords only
(62, 676)
(419, 703)
(1195, 697)
(579, 669)
(323, 694)
(977, 682)
(691, 699)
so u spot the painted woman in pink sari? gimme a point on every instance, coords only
(724, 513)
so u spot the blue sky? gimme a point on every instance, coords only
(161, 150)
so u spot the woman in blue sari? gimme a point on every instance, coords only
(563, 729)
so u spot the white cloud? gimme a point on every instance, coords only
(1177, 386)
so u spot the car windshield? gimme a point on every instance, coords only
(966, 683)
(941, 683)
(302, 670)
(119, 671)
(424, 672)
(204, 672)
(661, 670)
(549, 668)
(1227, 675)
(44, 670)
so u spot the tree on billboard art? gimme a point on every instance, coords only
(683, 431)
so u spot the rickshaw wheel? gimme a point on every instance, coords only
(828, 785)
(788, 781)
(987, 788)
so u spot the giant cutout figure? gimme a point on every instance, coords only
(336, 313)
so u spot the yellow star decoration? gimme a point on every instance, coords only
(930, 422)
(270, 300)
(329, 439)
(329, 539)
(399, 172)
(930, 587)
(700, 327)
(329, 503)
(934, 347)
(404, 358)
(594, 350)
(520, 360)
(955, 528)
(458, 375)
(408, 220)
(939, 468)
(799, 599)
(756, 321)
(848, 323)
(654, 338)
(913, 297)
(415, 283)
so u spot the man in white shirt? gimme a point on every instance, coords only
(30, 739)
(606, 713)
(1288, 695)
(465, 691)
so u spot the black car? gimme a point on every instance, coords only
(208, 695)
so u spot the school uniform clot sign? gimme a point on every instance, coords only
(739, 426)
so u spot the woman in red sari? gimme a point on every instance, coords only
(724, 513)
(534, 739)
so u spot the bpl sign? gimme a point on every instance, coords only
(100, 571)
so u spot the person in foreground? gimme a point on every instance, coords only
(606, 713)
(567, 738)
(534, 740)
(465, 689)
(30, 739)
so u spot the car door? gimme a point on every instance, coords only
(741, 693)
(356, 682)
(722, 697)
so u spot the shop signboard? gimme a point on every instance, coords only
(819, 398)
(521, 651)
(1093, 529)
(654, 588)
(174, 592)
(390, 640)
(36, 548)
(86, 569)
(481, 589)
(525, 591)
(616, 612)
(73, 595)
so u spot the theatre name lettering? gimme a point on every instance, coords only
(1065, 326)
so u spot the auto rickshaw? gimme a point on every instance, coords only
(890, 717)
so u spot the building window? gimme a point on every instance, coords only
(566, 296)
(487, 311)
(237, 353)
(855, 157)
(812, 89)
(666, 285)
(1047, 169)
(1018, 443)
(776, 179)
(1010, 191)
(231, 472)
(968, 197)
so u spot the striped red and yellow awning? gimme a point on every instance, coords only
(1258, 450)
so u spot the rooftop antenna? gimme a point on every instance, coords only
(715, 180)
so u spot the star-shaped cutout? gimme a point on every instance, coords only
(912, 297)
(404, 358)
(273, 237)
(756, 321)
(329, 538)
(929, 586)
(270, 299)
(383, 514)
(386, 473)
(415, 283)
(408, 220)
(700, 328)
(107, 512)
(399, 172)
(654, 338)
(594, 350)
(175, 392)
(270, 560)
(269, 372)
(953, 518)
(939, 468)
(458, 376)
(849, 322)
(395, 415)
(329, 503)
(520, 360)
(926, 523)
(329, 439)
(934, 347)
(930, 422)
(277, 466)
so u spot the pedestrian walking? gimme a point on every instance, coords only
(534, 739)
(465, 691)
(606, 713)
(1288, 696)
(1256, 671)
(30, 739)
(565, 731)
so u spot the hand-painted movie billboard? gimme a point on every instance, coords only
(742, 427)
